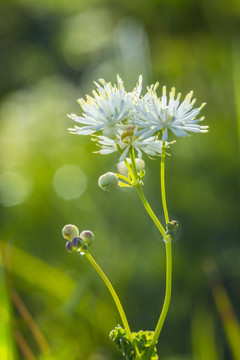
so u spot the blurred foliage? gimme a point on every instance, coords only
(50, 52)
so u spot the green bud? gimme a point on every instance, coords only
(70, 232)
(108, 181)
(171, 229)
(122, 169)
(69, 246)
(87, 237)
(77, 242)
(172, 226)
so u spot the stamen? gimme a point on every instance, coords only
(103, 82)
(172, 93)
(202, 106)
(82, 102)
(189, 96)
(95, 94)
(179, 96)
(156, 86)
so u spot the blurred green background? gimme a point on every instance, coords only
(51, 51)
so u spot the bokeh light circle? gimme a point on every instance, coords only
(69, 182)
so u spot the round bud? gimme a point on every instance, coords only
(77, 242)
(69, 246)
(172, 225)
(70, 232)
(172, 228)
(140, 164)
(87, 236)
(108, 181)
(122, 169)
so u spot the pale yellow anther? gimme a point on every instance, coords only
(189, 96)
(179, 96)
(81, 102)
(102, 81)
(172, 93)
(95, 94)
(120, 83)
(193, 101)
(202, 106)
(156, 86)
(164, 90)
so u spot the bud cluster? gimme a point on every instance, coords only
(110, 180)
(171, 230)
(76, 242)
(123, 170)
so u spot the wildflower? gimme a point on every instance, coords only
(153, 114)
(126, 139)
(109, 107)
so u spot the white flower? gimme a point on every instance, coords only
(110, 107)
(126, 139)
(153, 114)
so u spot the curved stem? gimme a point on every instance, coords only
(124, 178)
(150, 211)
(113, 293)
(164, 203)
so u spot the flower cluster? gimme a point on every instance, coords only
(76, 242)
(119, 120)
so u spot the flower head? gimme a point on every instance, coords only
(153, 114)
(109, 107)
(128, 138)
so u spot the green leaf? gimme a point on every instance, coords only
(137, 348)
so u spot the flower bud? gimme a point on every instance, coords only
(140, 164)
(77, 242)
(69, 246)
(108, 181)
(122, 168)
(87, 236)
(172, 228)
(70, 232)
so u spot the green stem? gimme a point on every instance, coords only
(164, 203)
(124, 178)
(150, 211)
(166, 300)
(127, 164)
(132, 157)
(168, 247)
(113, 293)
